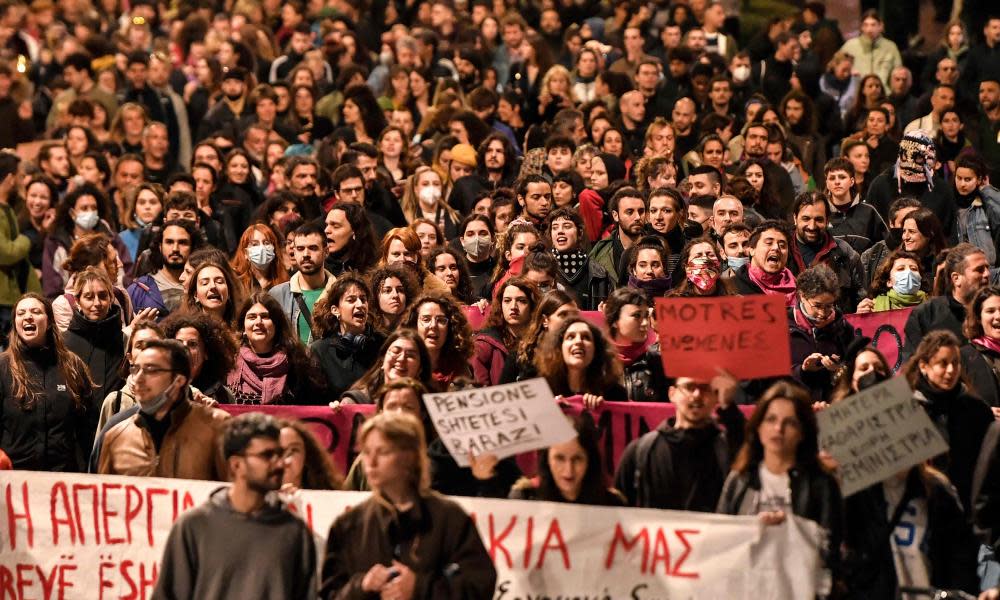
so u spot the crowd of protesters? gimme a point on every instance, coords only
(303, 203)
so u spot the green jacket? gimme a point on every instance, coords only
(603, 253)
(14, 248)
(880, 57)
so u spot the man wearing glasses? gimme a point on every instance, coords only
(348, 185)
(198, 560)
(682, 464)
(170, 436)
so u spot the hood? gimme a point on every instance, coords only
(273, 511)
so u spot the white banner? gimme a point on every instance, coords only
(101, 537)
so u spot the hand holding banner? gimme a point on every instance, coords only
(502, 420)
(877, 433)
(745, 335)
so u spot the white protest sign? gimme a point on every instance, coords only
(877, 433)
(503, 420)
(91, 537)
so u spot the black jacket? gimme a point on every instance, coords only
(56, 433)
(942, 312)
(591, 284)
(452, 480)
(101, 345)
(978, 365)
(743, 284)
(680, 469)
(940, 200)
(985, 490)
(830, 340)
(859, 225)
(644, 378)
(869, 568)
(344, 361)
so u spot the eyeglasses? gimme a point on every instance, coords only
(356, 191)
(690, 387)
(821, 306)
(137, 370)
(439, 320)
(273, 455)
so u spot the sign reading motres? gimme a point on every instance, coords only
(745, 335)
(502, 420)
(877, 433)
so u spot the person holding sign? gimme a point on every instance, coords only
(935, 375)
(896, 284)
(778, 472)
(627, 313)
(571, 472)
(767, 272)
(405, 542)
(981, 356)
(577, 360)
(818, 334)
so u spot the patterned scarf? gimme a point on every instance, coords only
(916, 160)
(571, 262)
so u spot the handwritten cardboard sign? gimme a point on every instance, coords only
(877, 433)
(746, 335)
(503, 420)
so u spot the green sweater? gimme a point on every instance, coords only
(14, 248)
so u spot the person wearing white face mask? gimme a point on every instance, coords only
(255, 261)
(148, 444)
(423, 198)
(895, 285)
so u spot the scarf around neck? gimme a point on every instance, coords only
(631, 351)
(893, 300)
(781, 283)
(988, 343)
(570, 262)
(263, 376)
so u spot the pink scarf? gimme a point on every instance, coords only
(988, 343)
(631, 352)
(774, 284)
(260, 376)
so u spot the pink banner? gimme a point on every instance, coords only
(887, 331)
(618, 423)
(477, 318)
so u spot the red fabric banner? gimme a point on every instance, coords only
(887, 331)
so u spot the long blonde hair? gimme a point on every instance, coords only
(406, 433)
(411, 205)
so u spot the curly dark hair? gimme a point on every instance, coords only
(455, 361)
(374, 378)
(604, 370)
(64, 222)
(572, 215)
(463, 291)
(495, 319)
(411, 288)
(220, 345)
(880, 280)
(325, 323)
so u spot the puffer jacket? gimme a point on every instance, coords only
(190, 449)
(846, 264)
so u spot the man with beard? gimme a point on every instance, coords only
(633, 43)
(767, 271)
(755, 135)
(966, 271)
(230, 109)
(162, 289)
(468, 63)
(169, 435)
(683, 463)
(496, 166)
(301, 42)
(156, 153)
(198, 554)
(311, 282)
(633, 117)
(534, 195)
(348, 185)
(685, 129)
(628, 211)
(986, 135)
(815, 246)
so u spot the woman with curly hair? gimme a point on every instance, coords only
(423, 197)
(444, 329)
(449, 266)
(272, 366)
(362, 113)
(554, 307)
(256, 263)
(206, 338)
(508, 320)
(702, 268)
(308, 465)
(578, 360)
(213, 288)
(394, 287)
(347, 344)
(401, 246)
(404, 355)
(46, 394)
(895, 284)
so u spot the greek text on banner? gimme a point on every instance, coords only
(101, 537)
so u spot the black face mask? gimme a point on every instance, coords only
(894, 238)
(869, 379)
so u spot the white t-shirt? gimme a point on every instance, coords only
(775, 491)
(909, 539)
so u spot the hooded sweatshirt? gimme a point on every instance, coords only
(199, 559)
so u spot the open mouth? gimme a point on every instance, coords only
(360, 314)
(29, 328)
(577, 352)
(773, 259)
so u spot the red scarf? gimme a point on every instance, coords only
(774, 284)
(988, 343)
(632, 351)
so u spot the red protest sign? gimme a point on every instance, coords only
(887, 331)
(746, 335)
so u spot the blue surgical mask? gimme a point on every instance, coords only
(735, 262)
(906, 282)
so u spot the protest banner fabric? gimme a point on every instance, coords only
(99, 537)
(887, 331)
(502, 420)
(877, 433)
(745, 335)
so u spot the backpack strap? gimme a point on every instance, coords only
(306, 313)
(116, 406)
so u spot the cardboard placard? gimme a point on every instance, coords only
(745, 335)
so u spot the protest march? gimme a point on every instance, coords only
(499, 299)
